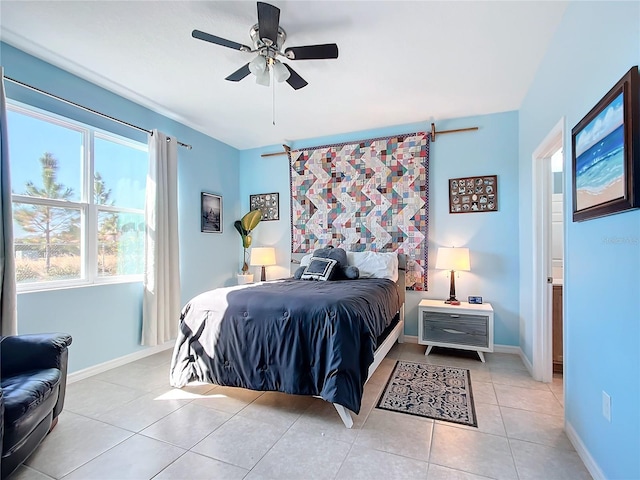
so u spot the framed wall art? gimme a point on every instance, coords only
(211, 213)
(473, 194)
(268, 203)
(606, 153)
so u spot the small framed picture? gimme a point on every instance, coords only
(211, 213)
(267, 203)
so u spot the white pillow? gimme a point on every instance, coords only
(375, 264)
(306, 260)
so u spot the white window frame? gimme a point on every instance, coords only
(88, 208)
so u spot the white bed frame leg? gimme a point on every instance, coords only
(345, 416)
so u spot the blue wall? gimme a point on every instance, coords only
(596, 43)
(105, 321)
(492, 238)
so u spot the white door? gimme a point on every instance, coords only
(543, 253)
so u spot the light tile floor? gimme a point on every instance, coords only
(128, 424)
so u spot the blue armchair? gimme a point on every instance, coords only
(33, 380)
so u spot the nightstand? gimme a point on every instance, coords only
(465, 326)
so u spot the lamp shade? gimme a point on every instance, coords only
(263, 78)
(258, 65)
(261, 256)
(280, 72)
(453, 259)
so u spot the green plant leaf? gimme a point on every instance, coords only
(251, 220)
(239, 228)
(246, 241)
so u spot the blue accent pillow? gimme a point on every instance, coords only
(319, 269)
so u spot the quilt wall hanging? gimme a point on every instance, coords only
(365, 195)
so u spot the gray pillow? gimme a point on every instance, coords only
(351, 272)
(298, 273)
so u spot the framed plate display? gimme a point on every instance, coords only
(268, 203)
(473, 194)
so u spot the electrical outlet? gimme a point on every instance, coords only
(606, 406)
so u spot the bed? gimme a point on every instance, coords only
(294, 336)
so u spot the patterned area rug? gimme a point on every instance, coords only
(433, 391)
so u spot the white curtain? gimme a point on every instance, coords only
(161, 303)
(8, 299)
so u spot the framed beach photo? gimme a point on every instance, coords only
(211, 213)
(606, 153)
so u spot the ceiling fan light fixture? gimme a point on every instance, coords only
(263, 78)
(280, 72)
(258, 65)
(268, 39)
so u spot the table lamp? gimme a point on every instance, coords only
(453, 259)
(262, 257)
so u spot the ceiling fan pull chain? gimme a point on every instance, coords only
(273, 120)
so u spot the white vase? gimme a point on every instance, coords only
(244, 279)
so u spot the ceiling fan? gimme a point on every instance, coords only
(268, 39)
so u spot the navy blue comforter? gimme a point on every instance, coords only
(292, 336)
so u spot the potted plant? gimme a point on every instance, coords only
(245, 226)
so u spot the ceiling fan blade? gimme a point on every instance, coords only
(268, 22)
(207, 37)
(239, 74)
(312, 52)
(295, 80)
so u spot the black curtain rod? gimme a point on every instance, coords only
(90, 110)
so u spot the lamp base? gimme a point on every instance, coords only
(263, 277)
(452, 291)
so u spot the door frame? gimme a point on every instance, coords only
(542, 290)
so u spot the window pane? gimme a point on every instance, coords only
(47, 243)
(120, 243)
(120, 174)
(46, 158)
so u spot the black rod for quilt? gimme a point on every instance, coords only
(433, 131)
(87, 109)
(433, 139)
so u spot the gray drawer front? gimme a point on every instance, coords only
(455, 329)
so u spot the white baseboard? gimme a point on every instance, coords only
(496, 348)
(117, 362)
(527, 363)
(507, 349)
(583, 453)
(515, 351)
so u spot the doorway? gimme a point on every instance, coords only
(548, 242)
(557, 260)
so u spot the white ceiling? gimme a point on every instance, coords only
(399, 62)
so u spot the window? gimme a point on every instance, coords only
(78, 201)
